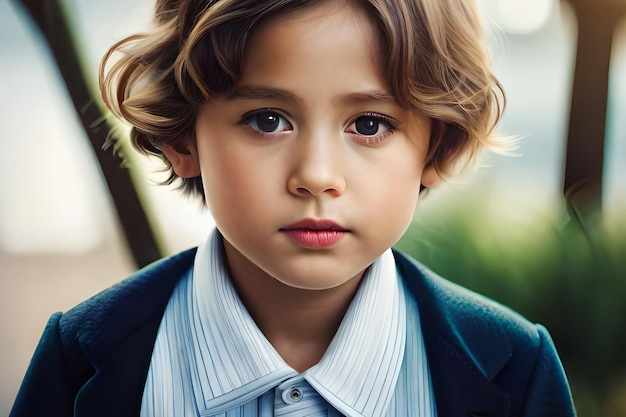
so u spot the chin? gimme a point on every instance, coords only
(313, 283)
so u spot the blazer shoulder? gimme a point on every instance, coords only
(105, 319)
(488, 333)
(484, 354)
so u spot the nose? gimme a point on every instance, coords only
(317, 167)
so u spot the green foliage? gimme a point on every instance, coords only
(549, 268)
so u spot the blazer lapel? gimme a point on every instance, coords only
(460, 389)
(464, 355)
(116, 389)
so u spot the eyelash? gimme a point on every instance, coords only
(248, 120)
(374, 139)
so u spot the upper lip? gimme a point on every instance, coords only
(315, 224)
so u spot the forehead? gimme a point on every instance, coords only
(332, 37)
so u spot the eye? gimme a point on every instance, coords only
(371, 128)
(367, 126)
(266, 121)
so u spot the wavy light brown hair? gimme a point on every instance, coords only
(435, 60)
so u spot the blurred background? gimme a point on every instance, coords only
(504, 230)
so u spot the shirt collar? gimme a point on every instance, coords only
(235, 362)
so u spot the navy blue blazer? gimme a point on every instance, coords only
(485, 360)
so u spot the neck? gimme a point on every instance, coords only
(299, 324)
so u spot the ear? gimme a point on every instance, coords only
(184, 159)
(430, 177)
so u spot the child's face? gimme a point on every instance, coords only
(311, 169)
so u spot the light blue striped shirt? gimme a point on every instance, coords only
(210, 358)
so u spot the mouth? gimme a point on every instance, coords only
(315, 234)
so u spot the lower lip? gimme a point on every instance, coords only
(315, 239)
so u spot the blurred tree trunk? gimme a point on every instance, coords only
(53, 24)
(597, 22)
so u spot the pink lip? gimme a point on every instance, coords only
(315, 234)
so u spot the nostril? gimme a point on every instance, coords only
(310, 186)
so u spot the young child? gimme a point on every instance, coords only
(309, 128)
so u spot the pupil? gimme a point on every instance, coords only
(267, 122)
(366, 126)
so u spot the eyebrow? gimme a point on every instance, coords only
(367, 96)
(260, 93)
(264, 93)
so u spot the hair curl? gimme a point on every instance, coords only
(435, 60)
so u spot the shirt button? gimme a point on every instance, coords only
(292, 395)
(295, 394)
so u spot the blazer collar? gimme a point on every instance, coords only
(464, 354)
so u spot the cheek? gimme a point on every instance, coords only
(220, 174)
(402, 184)
(225, 182)
(400, 198)
(402, 169)
(234, 182)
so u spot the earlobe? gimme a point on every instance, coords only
(184, 161)
(430, 177)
